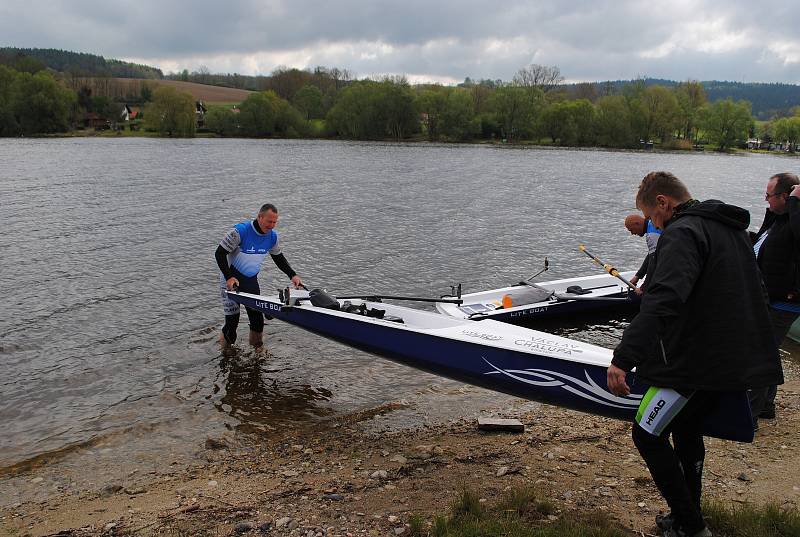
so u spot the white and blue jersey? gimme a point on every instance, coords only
(651, 235)
(247, 248)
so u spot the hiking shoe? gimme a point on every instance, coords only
(675, 532)
(665, 522)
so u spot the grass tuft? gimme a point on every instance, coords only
(417, 526)
(467, 505)
(524, 502)
(752, 521)
(522, 512)
(519, 513)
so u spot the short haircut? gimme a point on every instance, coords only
(785, 182)
(268, 207)
(660, 183)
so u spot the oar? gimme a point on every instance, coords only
(411, 298)
(608, 268)
(566, 297)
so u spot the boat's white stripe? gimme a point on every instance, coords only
(594, 391)
(602, 402)
(550, 381)
(591, 387)
(632, 398)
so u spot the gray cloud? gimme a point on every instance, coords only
(440, 40)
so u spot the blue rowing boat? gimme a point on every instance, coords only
(498, 356)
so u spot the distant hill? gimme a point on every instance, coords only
(77, 63)
(201, 92)
(768, 100)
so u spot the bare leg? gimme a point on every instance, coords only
(256, 338)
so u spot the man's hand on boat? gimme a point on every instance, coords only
(616, 381)
(635, 281)
(297, 282)
(232, 284)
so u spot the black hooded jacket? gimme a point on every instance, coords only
(703, 322)
(778, 256)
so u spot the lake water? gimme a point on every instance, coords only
(110, 306)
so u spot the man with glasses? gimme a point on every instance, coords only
(777, 249)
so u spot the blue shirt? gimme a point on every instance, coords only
(247, 248)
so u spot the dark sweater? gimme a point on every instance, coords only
(778, 256)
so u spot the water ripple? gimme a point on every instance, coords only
(110, 297)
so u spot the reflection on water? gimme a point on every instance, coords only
(261, 402)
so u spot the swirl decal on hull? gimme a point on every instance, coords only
(587, 389)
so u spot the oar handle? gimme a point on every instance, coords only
(608, 268)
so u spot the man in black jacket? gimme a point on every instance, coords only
(702, 329)
(777, 249)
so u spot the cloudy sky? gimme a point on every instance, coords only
(426, 40)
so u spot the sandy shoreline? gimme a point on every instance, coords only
(341, 477)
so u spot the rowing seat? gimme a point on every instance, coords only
(577, 290)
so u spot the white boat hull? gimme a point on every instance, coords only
(527, 302)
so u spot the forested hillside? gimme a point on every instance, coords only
(75, 63)
(769, 100)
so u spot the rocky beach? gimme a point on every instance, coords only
(351, 476)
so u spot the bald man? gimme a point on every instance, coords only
(638, 225)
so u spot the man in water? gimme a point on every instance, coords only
(239, 257)
(638, 225)
(777, 249)
(702, 329)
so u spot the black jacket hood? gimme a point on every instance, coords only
(703, 322)
(730, 215)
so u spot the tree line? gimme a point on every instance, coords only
(284, 81)
(534, 107)
(76, 63)
(768, 100)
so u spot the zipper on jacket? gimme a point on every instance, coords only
(663, 352)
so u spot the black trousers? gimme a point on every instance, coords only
(677, 467)
(763, 399)
(256, 318)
